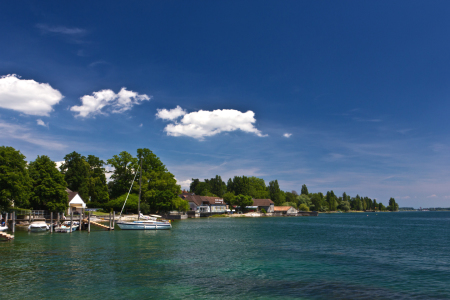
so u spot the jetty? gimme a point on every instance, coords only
(6, 237)
(102, 226)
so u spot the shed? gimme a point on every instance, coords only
(76, 203)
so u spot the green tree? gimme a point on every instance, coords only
(217, 186)
(275, 192)
(243, 201)
(15, 183)
(316, 201)
(159, 186)
(291, 197)
(303, 207)
(393, 206)
(331, 200)
(228, 197)
(49, 186)
(258, 188)
(96, 183)
(125, 167)
(304, 190)
(76, 172)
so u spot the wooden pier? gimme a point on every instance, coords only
(6, 237)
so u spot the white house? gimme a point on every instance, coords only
(76, 204)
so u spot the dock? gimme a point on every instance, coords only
(6, 237)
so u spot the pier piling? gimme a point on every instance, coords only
(13, 216)
(51, 222)
(89, 222)
(71, 221)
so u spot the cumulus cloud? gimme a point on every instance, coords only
(170, 114)
(106, 100)
(185, 184)
(201, 124)
(432, 196)
(287, 135)
(27, 96)
(41, 123)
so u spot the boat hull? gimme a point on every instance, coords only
(144, 225)
(38, 228)
(65, 229)
(3, 228)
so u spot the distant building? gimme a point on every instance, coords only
(285, 210)
(76, 204)
(259, 204)
(205, 203)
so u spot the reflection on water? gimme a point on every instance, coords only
(336, 256)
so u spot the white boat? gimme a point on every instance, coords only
(3, 228)
(65, 228)
(151, 224)
(38, 226)
(143, 222)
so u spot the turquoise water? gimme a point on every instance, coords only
(334, 256)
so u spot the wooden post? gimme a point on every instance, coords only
(13, 221)
(89, 222)
(114, 219)
(29, 217)
(6, 220)
(51, 221)
(71, 221)
(109, 220)
(57, 221)
(81, 220)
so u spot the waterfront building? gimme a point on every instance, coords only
(76, 203)
(285, 210)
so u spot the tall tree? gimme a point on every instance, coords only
(49, 186)
(275, 192)
(304, 190)
(159, 187)
(217, 186)
(76, 171)
(125, 167)
(15, 183)
(258, 189)
(96, 184)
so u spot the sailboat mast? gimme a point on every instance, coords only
(140, 183)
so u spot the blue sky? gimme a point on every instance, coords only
(338, 95)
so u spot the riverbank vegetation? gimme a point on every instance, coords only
(39, 184)
(254, 187)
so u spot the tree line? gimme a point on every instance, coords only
(235, 190)
(40, 185)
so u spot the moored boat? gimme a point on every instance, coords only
(38, 226)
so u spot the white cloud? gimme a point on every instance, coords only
(18, 132)
(185, 184)
(61, 30)
(202, 123)
(27, 96)
(287, 135)
(141, 125)
(432, 196)
(41, 123)
(170, 114)
(116, 103)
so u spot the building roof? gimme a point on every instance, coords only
(262, 202)
(71, 194)
(281, 208)
(199, 200)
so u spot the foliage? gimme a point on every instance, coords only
(293, 204)
(243, 201)
(303, 207)
(86, 176)
(304, 190)
(228, 197)
(15, 183)
(316, 200)
(263, 211)
(159, 186)
(125, 167)
(49, 186)
(179, 204)
(131, 205)
(393, 206)
(275, 192)
(257, 188)
(344, 205)
(331, 201)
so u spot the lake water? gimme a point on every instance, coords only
(403, 255)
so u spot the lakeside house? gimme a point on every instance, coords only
(285, 210)
(205, 204)
(259, 204)
(76, 204)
